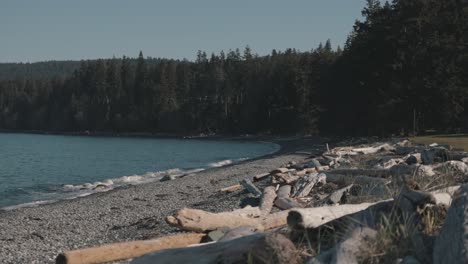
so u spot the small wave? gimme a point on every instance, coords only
(73, 191)
(220, 163)
(31, 204)
(110, 184)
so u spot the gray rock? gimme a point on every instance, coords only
(452, 244)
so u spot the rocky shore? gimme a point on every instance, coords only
(39, 234)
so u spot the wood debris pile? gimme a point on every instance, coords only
(353, 190)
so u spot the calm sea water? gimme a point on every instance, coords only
(37, 168)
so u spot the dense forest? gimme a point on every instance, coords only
(404, 67)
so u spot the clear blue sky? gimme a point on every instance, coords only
(37, 30)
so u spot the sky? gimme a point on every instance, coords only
(33, 30)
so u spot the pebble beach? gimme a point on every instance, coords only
(38, 234)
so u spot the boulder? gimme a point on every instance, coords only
(452, 244)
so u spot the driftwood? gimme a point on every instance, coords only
(287, 203)
(316, 163)
(305, 184)
(249, 186)
(284, 178)
(232, 188)
(452, 244)
(279, 170)
(260, 177)
(257, 248)
(238, 232)
(258, 217)
(268, 197)
(126, 250)
(201, 221)
(373, 150)
(336, 196)
(305, 171)
(284, 191)
(315, 217)
(283, 201)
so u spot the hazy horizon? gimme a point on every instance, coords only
(54, 30)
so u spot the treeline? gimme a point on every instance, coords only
(11, 71)
(403, 67)
(231, 93)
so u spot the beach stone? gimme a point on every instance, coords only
(413, 159)
(410, 260)
(168, 178)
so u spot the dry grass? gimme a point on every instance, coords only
(456, 140)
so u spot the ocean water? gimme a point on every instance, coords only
(36, 169)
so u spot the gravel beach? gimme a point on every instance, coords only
(39, 234)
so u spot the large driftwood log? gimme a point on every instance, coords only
(452, 244)
(201, 221)
(258, 217)
(126, 250)
(279, 170)
(284, 191)
(249, 186)
(373, 150)
(257, 248)
(315, 217)
(305, 184)
(287, 203)
(268, 197)
(283, 201)
(259, 177)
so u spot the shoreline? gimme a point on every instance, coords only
(131, 212)
(184, 172)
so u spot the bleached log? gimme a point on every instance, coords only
(284, 178)
(284, 191)
(201, 221)
(283, 201)
(287, 203)
(305, 171)
(249, 186)
(316, 163)
(238, 232)
(279, 170)
(260, 177)
(444, 195)
(126, 250)
(268, 197)
(373, 150)
(256, 248)
(336, 196)
(231, 188)
(305, 184)
(317, 216)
